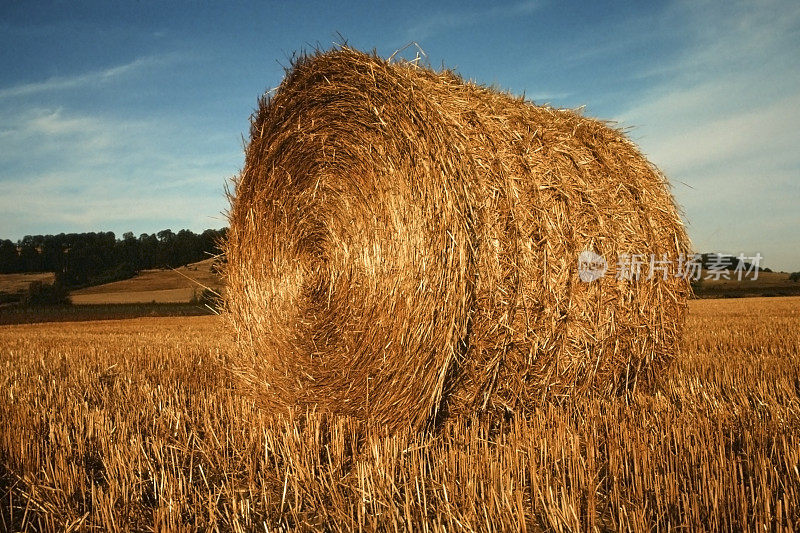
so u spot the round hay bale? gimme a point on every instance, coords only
(403, 242)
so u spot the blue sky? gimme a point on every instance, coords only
(120, 116)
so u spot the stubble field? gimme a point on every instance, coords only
(134, 425)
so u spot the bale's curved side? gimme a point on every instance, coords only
(399, 238)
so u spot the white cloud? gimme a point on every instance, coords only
(65, 171)
(722, 118)
(68, 200)
(686, 131)
(59, 83)
(42, 138)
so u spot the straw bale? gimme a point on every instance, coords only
(404, 244)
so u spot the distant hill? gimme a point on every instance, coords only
(767, 284)
(180, 285)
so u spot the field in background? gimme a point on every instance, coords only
(180, 285)
(84, 313)
(14, 283)
(135, 425)
(186, 284)
(767, 284)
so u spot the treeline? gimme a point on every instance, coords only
(81, 259)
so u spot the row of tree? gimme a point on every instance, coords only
(80, 259)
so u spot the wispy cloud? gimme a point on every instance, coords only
(722, 119)
(60, 83)
(738, 34)
(82, 172)
(693, 134)
(68, 201)
(444, 21)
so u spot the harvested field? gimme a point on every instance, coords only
(14, 283)
(131, 425)
(126, 296)
(153, 286)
